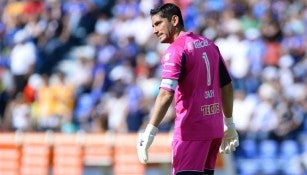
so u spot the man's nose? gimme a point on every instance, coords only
(155, 31)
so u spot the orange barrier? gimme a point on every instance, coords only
(160, 153)
(62, 154)
(10, 154)
(219, 162)
(126, 161)
(67, 155)
(98, 151)
(36, 154)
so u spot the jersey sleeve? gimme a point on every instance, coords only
(171, 64)
(171, 68)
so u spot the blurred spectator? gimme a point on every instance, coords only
(290, 121)
(249, 21)
(264, 119)
(122, 72)
(272, 34)
(103, 24)
(64, 98)
(6, 88)
(46, 106)
(33, 7)
(137, 110)
(244, 105)
(4, 100)
(75, 9)
(22, 60)
(55, 40)
(85, 103)
(18, 115)
(79, 71)
(138, 25)
(12, 14)
(116, 107)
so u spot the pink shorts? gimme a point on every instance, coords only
(195, 155)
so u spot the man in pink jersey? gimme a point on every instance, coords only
(194, 72)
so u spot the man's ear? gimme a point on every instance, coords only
(175, 20)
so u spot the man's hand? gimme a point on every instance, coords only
(230, 140)
(144, 141)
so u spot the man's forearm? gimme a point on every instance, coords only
(163, 101)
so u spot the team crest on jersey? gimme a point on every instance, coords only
(190, 46)
(167, 56)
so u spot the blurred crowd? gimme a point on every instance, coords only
(93, 65)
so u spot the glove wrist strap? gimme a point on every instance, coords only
(151, 129)
(229, 121)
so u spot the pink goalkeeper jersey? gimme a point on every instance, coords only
(195, 62)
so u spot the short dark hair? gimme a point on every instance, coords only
(168, 10)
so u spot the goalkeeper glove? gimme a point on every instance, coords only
(144, 141)
(230, 140)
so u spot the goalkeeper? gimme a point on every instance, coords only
(194, 72)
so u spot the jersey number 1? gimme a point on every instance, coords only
(205, 57)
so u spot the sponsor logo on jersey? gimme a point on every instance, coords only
(201, 43)
(210, 109)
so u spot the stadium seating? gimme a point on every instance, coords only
(248, 166)
(289, 155)
(289, 149)
(268, 154)
(268, 149)
(249, 149)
